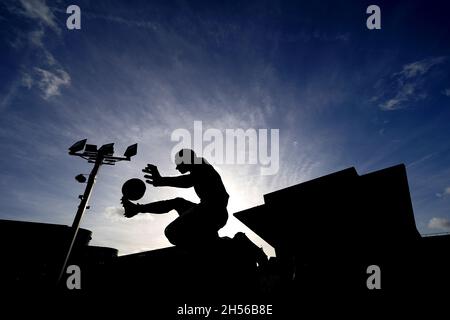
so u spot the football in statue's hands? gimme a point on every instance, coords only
(133, 189)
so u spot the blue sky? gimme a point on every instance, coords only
(340, 94)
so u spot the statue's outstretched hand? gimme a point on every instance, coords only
(153, 177)
(130, 208)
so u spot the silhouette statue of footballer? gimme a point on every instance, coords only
(196, 222)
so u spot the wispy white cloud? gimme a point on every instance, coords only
(444, 193)
(404, 93)
(126, 22)
(35, 37)
(442, 224)
(421, 160)
(144, 24)
(407, 84)
(46, 72)
(116, 213)
(50, 82)
(39, 11)
(446, 92)
(6, 98)
(316, 35)
(420, 68)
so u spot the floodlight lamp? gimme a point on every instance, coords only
(77, 146)
(90, 148)
(107, 149)
(131, 151)
(81, 178)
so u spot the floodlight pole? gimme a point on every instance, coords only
(80, 211)
(104, 155)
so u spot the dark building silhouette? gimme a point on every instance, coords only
(327, 231)
(33, 253)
